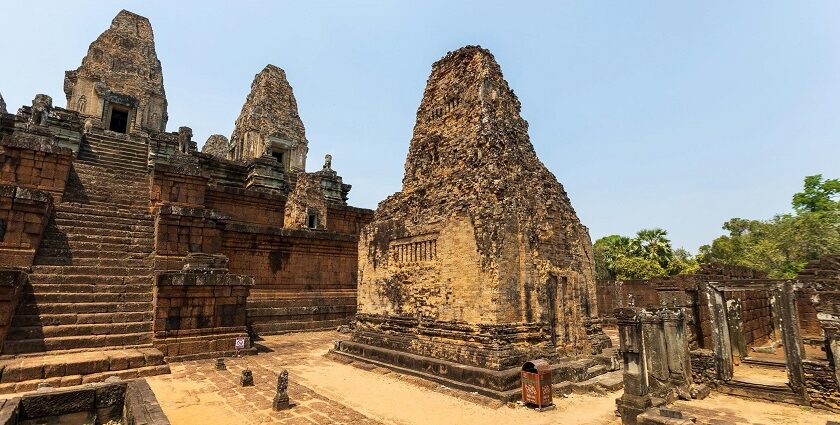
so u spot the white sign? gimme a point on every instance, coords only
(239, 344)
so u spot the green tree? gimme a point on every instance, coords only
(607, 251)
(637, 268)
(784, 244)
(647, 255)
(653, 245)
(817, 195)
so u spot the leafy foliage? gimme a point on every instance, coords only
(784, 244)
(645, 256)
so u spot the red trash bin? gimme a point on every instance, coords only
(536, 383)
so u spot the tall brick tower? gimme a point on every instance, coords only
(480, 262)
(120, 81)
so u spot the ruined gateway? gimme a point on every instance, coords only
(480, 263)
(122, 247)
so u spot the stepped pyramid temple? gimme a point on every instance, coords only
(480, 262)
(119, 241)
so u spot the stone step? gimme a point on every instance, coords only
(102, 211)
(82, 308)
(95, 238)
(82, 297)
(70, 260)
(285, 327)
(93, 254)
(58, 331)
(66, 224)
(302, 311)
(145, 247)
(104, 152)
(601, 384)
(125, 170)
(83, 229)
(59, 369)
(108, 172)
(92, 270)
(63, 216)
(87, 279)
(128, 288)
(81, 319)
(89, 170)
(73, 380)
(36, 345)
(112, 145)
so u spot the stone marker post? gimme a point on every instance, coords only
(281, 399)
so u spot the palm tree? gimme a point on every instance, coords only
(654, 245)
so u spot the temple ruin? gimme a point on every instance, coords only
(127, 253)
(119, 240)
(480, 262)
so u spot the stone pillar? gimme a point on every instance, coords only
(636, 398)
(655, 351)
(678, 357)
(791, 338)
(735, 323)
(720, 333)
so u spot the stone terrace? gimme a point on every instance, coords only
(326, 392)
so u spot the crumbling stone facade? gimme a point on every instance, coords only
(269, 123)
(480, 260)
(122, 247)
(120, 80)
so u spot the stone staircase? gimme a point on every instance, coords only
(89, 299)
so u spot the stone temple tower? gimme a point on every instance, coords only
(269, 124)
(120, 82)
(480, 260)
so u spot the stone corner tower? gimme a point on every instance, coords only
(480, 259)
(269, 123)
(120, 81)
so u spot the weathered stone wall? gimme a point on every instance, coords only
(822, 385)
(11, 282)
(182, 230)
(247, 206)
(174, 187)
(481, 247)
(200, 310)
(756, 315)
(306, 199)
(344, 219)
(34, 162)
(682, 291)
(122, 68)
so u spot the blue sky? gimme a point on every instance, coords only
(652, 114)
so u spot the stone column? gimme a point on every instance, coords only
(720, 333)
(678, 357)
(791, 338)
(636, 398)
(655, 351)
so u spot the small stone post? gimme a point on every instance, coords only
(281, 399)
(220, 364)
(247, 378)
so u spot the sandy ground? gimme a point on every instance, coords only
(327, 392)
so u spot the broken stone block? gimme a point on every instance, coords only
(699, 392)
(220, 364)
